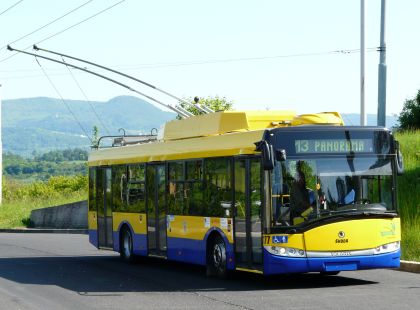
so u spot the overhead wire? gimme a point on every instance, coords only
(10, 7)
(87, 99)
(212, 61)
(64, 101)
(47, 24)
(82, 21)
(68, 28)
(203, 62)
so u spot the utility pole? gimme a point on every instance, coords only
(362, 64)
(382, 71)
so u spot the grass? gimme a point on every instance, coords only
(16, 214)
(409, 194)
(410, 241)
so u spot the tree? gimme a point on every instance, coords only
(215, 103)
(410, 115)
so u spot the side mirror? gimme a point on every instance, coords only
(280, 154)
(267, 153)
(399, 158)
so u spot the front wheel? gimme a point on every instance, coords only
(216, 258)
(126, 245)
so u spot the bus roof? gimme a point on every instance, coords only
(224, 133)
(221, 145)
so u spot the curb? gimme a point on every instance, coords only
(409, 266)
(44, 231)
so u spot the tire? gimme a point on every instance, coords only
(126, 245)
(216, 258)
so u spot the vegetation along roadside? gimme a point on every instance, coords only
(21, 196)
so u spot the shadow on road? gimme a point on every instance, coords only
(108, 275)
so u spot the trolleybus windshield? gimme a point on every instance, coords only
(307, 189)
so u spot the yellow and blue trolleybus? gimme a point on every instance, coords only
(269, 192)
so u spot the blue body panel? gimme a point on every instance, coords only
(93, 237)
(178, 249)
(279, 264)
(187, 250)
(139, 241)
(194, 251)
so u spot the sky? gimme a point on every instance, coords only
(259, 54)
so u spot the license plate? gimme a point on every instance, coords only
(341, 253)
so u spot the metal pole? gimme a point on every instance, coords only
(382, 71)
(362, 64)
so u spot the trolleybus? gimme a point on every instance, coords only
(268, 192)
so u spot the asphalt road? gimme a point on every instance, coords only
(62, 271)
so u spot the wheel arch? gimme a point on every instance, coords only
(124, 225)
(209, 239)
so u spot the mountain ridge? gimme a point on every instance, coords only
(42, 124)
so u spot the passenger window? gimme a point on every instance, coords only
(218, 185)
(136, 188)
(176, 190)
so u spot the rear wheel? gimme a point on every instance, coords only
(216, 258)
(126, 245)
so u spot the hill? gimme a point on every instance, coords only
(353, 119)
(45, 124)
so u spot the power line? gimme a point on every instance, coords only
(48, 24)
(68, 28)
(10, 7)
(82, 21)
(203, 62)
(87, 99)
(212, 61)
(64, 101)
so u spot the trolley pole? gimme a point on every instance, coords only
(382, 71)
(362, 64)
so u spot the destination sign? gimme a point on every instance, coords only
(333, 146)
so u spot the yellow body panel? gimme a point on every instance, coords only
(358, 235)
(92, 220)
(195, 227)
(223, 122)
(324, 118)
(225, 133)
(225, 145)
(138, 221)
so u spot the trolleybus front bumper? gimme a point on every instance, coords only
(274, 264)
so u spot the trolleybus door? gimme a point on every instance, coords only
(104, 207)
(156, 210)
(248, 210)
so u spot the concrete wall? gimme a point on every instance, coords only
(68, 216)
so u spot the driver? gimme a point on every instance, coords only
(300, 196)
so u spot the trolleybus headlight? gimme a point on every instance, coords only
(284, 251)
(387, 248)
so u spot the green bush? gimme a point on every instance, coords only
(55, 187)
